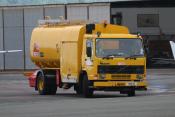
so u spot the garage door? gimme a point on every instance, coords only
(1, 42)
(75, 12)
(99, 12)
(55, 11)
(31, 17)
(13, 38)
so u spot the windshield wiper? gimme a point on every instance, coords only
(133, 56)
(111, 56)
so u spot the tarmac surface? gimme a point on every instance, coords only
(17, 99)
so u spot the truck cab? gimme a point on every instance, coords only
(114, 62)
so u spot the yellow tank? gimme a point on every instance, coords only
(45, 44)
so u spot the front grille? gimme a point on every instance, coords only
(119, 76)
(122, 69)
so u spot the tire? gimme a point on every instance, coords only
(46, 86)
(87, 92)
(131, 93)
(52, 86)
(78, 89)
(41, 84)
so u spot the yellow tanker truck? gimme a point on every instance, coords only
(88, 57)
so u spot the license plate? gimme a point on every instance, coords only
(120, 84)
(131, 84)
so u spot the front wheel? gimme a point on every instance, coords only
(78, 89)
(87, 92)
(131, 93)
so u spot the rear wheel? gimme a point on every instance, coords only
(41, 84)
(87, 92)
(46, 86)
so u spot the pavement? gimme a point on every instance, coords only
(17, 99)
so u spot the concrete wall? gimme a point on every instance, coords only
(13, 38)
(1, 41)
(166, 19)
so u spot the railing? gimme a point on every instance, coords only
(61, 21)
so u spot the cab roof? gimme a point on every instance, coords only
(106, 35)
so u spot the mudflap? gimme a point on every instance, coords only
(32, 77)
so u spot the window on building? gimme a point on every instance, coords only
(148, 20)
(117, 18)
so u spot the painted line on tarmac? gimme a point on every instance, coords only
(156, 90)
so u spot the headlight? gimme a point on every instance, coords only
(139, 76)
(102, 76)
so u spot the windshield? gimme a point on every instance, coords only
(119, 47)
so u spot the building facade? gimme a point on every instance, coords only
(153, 20)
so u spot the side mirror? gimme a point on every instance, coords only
(89, 51)
(89, 48)
(172, 44)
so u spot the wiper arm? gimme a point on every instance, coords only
(111, 56)
(133, 56)
(108, 57)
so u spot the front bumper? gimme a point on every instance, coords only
(139, 85)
